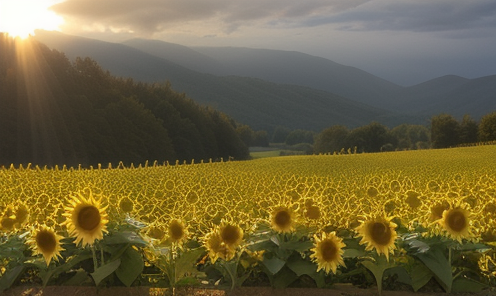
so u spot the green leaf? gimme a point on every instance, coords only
(9, 277)
(377, 268)
(466, 285)
(273, 264)
(301, 266)
(105, 270)
(299, 246)
(185, 263)
(353, 253)
(78, 278)
(439, 265)
(125, 237)
(65, 267)
(131, 266)
(284, 278)
(421, 275)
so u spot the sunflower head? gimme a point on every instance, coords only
(378, 233)
(177, 231)
(328, 252)
(217, 248)
(231, 235)
(126, 205)
(46, 242)
(456, 222)
(282, 219)
(86, 219)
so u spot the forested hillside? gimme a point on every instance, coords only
(55, 111)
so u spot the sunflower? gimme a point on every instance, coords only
(328, 252)
(456, 222)
(216, 248)
(231, 235)
(177, 231)
(282, 219)
(86, 219)
(223, 241)
(46, 242)
(378, 233)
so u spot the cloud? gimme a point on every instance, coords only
(154, 16)
(413, 15)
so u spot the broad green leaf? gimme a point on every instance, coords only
(9, 277)
(377, 268)
(439, 265)
(299, 246)
(125, 237)
(105, 270)
(353, 253)
(131, 266)
(78, 278)
(467, 285)
(65, 267)
(273, 264)
(185, 263)
(300, 266)
(284, 278)
(421, 275)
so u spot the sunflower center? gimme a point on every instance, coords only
(282, 219)
(457, 221)
(176, 230)
(46, 241)
(89, 218)
(126, 205)
(380, 233)
(230, 234)
(313, 213)
(329, 250)
(7, 223)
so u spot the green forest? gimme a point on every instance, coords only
(57, 112)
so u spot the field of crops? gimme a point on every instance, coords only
(425, 219)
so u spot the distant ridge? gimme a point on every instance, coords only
(267, 88)
(260, 104)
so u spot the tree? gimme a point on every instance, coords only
(445, 131)
(280, 134)
(468, 130)
(245, 133)
(260, 139)
(331, 139)
(299, 136)
(369, 138)
(487, 127)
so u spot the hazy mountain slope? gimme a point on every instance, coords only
(179, 54)
(287, 67)
(260, 104)
(419, 97)
(476, 97)
(449, 94)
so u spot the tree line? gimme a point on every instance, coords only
(444, 131)
(54, 112)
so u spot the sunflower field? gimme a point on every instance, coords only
(420, 220)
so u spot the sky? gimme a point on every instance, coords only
(403, 41)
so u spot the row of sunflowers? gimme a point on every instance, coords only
(418, 219)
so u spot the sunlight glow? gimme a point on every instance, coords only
(19, 18)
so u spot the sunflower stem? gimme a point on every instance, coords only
(101, 256)
(95, 262)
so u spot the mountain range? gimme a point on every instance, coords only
(268, 88)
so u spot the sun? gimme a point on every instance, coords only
(19, 18)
